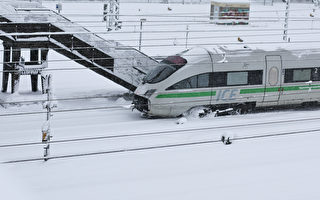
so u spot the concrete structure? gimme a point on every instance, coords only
(29, 25)
(14, 64)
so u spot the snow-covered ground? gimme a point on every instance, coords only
(279, 167)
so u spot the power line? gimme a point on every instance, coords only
(189, 38)
(173, 14)
(151, 31)
(64, 111)
(166, 132)
(166, 146)
(62, 99)
(130, 66)
(189, 55)
(196, 44)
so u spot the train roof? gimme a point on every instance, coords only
(195, 54)
(225, 53)
(243, 50)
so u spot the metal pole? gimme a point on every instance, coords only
(286, 21)
(140, 38)
(117, 13)
(315, 6)
(187, 36)
(49, 98)
(46, 130)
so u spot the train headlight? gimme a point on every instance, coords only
(149, 92)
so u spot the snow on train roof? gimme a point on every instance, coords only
(221, 53)
(241, 50)
(195, 54)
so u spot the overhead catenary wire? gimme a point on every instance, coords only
(25, 11)
(63, 111)
(165, 146)
(165, 132)
(178, 24)
(65, 99)
(127, 23)
(130, 66)
(169, 13)
(222, 45)
(183, 38)
(151, 31)
(123, 47)
(154, 65)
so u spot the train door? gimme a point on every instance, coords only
(273, 79)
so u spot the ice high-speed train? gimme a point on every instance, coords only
(223, 78)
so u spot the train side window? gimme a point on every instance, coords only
(288, 76)
(192, 81)
(184, 84)
(255, 77)
(315, 75)
(298, 75)
(237, 78)
(301, 75)
(219, 79)
(203, 80)
(198, 81)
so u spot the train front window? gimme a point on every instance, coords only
(166, 67)
(159, 74)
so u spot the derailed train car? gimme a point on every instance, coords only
(222, 78)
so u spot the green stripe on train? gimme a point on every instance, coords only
(242, 91)
(276, 89)
(187, 94)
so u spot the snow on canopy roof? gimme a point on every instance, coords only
(23, 4)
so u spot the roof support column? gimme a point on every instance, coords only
(34, 58)
(5, 73)
(15, 77)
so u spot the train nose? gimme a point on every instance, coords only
(140, 103)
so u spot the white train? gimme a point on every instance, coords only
(222, 78)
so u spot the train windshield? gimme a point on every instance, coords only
(166, 67)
